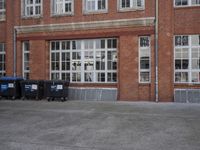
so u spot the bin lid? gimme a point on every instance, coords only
(11, 78)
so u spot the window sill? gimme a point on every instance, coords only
(188, 7)
(32, 17)
(187, 83)
(130, 9)
(62, 15)
(144, 83)
(95, 12)
(3, 20)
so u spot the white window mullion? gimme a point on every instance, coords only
(106, 60)
(82, 62)
(60, 60)
(190, 61)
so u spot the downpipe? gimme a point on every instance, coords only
(156, 52)
(14, 52)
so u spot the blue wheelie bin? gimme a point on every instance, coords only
(10, 87)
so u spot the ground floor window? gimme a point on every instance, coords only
(144, 59)
(187, 59)
(2, 60)
(26, 53)
(84, 61)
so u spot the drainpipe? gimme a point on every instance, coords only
(156, 51)
(14, 52)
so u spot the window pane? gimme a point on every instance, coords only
(144, 64)
(184, 2)
(89, 77)
(195, 40)
(144, 42)
(194, 2)
(178, 41)
(185, 41)
(195, 76)
(144, 77)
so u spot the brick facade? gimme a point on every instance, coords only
(172, 21)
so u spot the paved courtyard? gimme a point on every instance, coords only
(81, 125)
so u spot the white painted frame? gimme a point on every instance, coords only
(189, 4)
(120, 9)
(3, 11)
(189, 70)
(53, 13)
(82, 71)
(23, 60)
(24, 5)
(3, 71)
(139, 67)
(96, 11)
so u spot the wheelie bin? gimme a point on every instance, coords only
(32, 89)
(10, 87)
(56, 89)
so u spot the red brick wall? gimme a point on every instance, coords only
(165, 48)
(187, 20)
(171, 21)
(38, 59)
(129, 87)
(2, 31)
(80, 17)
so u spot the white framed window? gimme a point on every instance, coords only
(91, 6)
(181, 3)
(2, 60)
(187, 59)
(131, 4)
(144, 59)
(32, 8)
(2, 10)
(84, 61)
(26, 59)
(62, 7)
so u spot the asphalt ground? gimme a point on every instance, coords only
(86, 125)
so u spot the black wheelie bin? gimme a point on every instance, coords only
(10, 87)
(32, 89)
(56, 89)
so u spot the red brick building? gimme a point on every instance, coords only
(106, 48)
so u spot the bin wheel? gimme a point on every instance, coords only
(63, 99)
(13, 98)
(23, 98)
(48, 99)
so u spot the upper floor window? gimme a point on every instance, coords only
(131, 4)
(187, 2)
(95, 5)
(62, 7)
(32, 8)
(2, 10)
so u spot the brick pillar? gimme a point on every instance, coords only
(38, 58)
(165, 48)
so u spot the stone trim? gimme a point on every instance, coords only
(86, 25)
